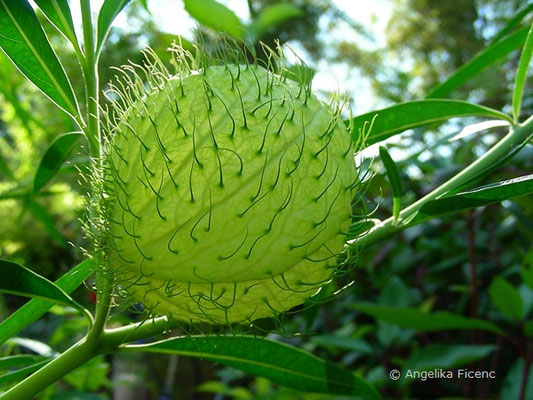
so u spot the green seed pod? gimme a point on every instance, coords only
(228, 190)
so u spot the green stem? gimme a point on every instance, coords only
(499, 151)
(71, 359)
(112, 338)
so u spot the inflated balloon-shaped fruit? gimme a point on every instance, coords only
(228, 190)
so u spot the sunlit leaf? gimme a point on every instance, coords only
(54, 157)
(401, 117)
(58, 13)
(477, 197)
(272, 16)
(506, 298)
(22, 281)
(35, 308)
(17, 360)
(521, 73)
(484, 59)
(413, 318)
(25, 43)
(216, 16)
(109, 11)
(21, 373)
(282, 364)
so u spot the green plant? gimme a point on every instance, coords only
(28, 48)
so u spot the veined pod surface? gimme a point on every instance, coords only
(228, 190)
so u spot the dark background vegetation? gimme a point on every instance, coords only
(449, 264)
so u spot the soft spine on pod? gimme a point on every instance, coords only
(226, 189)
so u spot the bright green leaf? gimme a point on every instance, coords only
(281, 364)
(21, 281)
(109, 11)
(395, 181)
(424, 322)
(482, 60)
(477, 197)
(401, 117)
(216, 16)
(521, 74)
(272, 16)
(446, 356)
(35, 308)
(17, 360)
(506, 298)
(25, 43)
(58, 13)
(21, 373)
(54, 157)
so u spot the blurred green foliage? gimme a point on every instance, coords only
(477, 264)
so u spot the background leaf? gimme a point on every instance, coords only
(54, 157)
(272, 16)
(477, 197)
(517, 18)
(43, 216)
(216, 16)
(275, 361)
(21, 281)
(109, 11)
(398, 118)
(446, 356)
(35, 308)
(393, 173)
(25, 43)
(506, 298)
(521, 74)
(484, 59)
(58, 13)
(424, 322)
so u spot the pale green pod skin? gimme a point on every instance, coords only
(230, 195)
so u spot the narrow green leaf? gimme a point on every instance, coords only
(25, 43)
(272, 16)
(58, 13)
(413, 318)
(42, 215)
(21, 373)
(446, 356)
(482, 60)
(477, 197)
(518, 17)
(395, 180)
(15, 361)
(401, 117)
(54, 157)
(22, 281)
(521, 74)
(280, 363)
(109, 11)
(506, 298)
(216, 16)
(35, 308)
